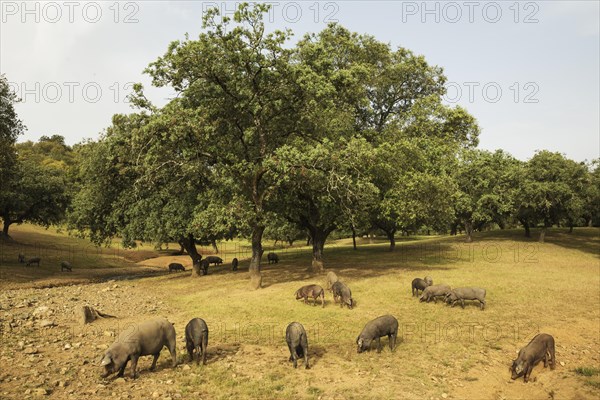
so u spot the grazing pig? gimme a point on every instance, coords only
(21, 258)
(468, 293)
(297, 342)
(234, 264)
(420, 284)
(331, 279)
(432, 292)
(540, 348)
(214, 260)
(272, 258)
(204, 266)
(176, 267)
(196, 337)
(341, 291)
(147, 338)
(65, 265)
(34, 260)
(313, 291)
(385, 325)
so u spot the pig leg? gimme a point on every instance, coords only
(462, 303)
(482, 305)
(204, 346)
(153, 367)
(322, 300)
(134, 360)
(293, 355)
(198, 354)
(392, 340)
(379, 345)
(190, 350)
(552, 356)
(305, 349)
(121, 371)
(173, 352)
(528, 369)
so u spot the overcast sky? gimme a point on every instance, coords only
(528, 71)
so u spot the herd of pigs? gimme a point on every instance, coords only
(149, 338)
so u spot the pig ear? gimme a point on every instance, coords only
(106, 360)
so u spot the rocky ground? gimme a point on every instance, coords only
(46, 351)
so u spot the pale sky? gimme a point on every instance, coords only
(528, 71)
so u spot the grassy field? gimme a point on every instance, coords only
(442, 352)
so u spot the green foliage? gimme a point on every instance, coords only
(552, 190)
(10, 128)
(487, 185)
(38, 189)
(591, 213)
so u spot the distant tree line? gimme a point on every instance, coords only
(264, 140)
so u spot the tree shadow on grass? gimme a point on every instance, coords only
(368, 262)
(586, 240)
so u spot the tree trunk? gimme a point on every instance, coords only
(7, 223)
(391, 237)
(469, 231)
(526, 226)
(354, 238)
(189, 244)
(257, 252)
(571, 228)
(542, 235)
(543, 232)
(318, 246)
(454, 229)
(318, 237)
(308, 241)
(213, 243)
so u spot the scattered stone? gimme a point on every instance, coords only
(30, 350)
(119, 380)
(46, 323)
(40, 392)
(562, 363)
(67, 346)
(40, 310)
(186, 367)
(155, 395)
(444, 395)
